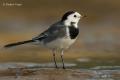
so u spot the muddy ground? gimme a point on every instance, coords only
(37, 73)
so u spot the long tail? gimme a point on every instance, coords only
(18, 43)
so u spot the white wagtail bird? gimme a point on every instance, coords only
(59, 36)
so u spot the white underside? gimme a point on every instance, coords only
(63, 43)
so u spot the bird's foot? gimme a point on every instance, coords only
(56, 67)
(64, 67)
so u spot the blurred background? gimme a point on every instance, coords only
(98, 43)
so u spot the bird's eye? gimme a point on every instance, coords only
(75, 16)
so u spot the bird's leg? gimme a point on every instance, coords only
(54, 52)
(62, 52)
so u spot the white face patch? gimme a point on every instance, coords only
(73, 18)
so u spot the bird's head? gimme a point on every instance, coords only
(71, 18)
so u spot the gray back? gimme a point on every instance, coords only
(57, 30)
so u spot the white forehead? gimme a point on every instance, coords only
(76, 13)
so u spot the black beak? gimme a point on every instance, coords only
(84, 16)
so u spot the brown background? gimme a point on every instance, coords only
(99, 31)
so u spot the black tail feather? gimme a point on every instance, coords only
(18, 43)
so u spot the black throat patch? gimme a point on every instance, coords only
(73, 32)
